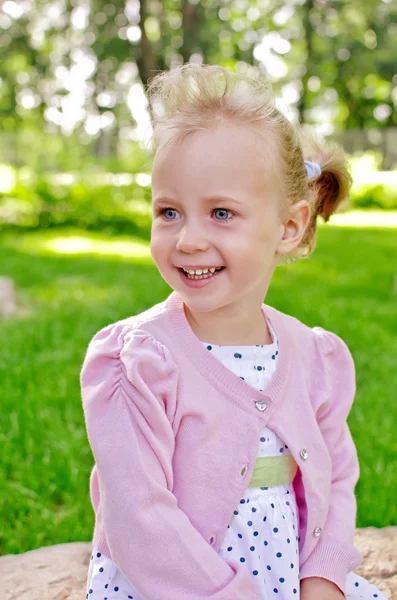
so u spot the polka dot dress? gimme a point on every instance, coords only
(263, 530)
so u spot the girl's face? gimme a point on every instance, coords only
(215, 206)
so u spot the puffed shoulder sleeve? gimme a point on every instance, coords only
(129, 385)
(335, 555)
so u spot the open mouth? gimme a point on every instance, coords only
(203, 275)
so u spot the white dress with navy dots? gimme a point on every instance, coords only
(263, 530)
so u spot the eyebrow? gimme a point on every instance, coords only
(163, 200)
(212, 199)
(221, 198)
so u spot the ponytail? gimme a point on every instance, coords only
(332, 186)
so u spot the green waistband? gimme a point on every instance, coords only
(270, 471)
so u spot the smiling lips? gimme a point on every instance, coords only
(201, 270)
(203, 273)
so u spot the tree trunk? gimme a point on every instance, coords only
(308, 33)
(147, 63)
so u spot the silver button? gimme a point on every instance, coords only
(261, 405)
(304, 454)
(317, 532)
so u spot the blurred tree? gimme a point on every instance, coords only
(79, 65)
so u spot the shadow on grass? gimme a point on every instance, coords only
(113, 226)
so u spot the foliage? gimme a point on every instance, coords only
(375, 196)
(49, 202)
(371, 187)
(41, 152)
(74, 66)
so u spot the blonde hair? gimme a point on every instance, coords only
(195, 98)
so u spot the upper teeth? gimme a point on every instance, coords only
(201, 271)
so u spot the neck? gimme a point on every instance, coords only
(224, 328)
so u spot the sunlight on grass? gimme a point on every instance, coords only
(364, 218)
(83, 244)
(365, 170)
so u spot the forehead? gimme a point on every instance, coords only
(229, 158)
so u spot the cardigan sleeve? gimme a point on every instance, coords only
(335, 555)
(129, 383)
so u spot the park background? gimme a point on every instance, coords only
(75, 215)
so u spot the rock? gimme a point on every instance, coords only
(7, 297)
(60, 572)
(57, 572)
(378, 548)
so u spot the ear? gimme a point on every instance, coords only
(296, 219)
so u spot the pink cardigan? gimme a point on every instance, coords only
(171, 429)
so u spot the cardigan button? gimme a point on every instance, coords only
(212, 540)
(304, 454)
(317, 532)
(243, 470)
(261, 405)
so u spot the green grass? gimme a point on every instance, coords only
(68, 290)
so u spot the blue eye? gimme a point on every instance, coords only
(170, 214)
(224, 214)
(164, 212)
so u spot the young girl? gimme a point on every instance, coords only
(225, 469)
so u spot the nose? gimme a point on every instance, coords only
(191, 238)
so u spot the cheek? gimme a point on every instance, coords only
(255, 244)
(267, 236)
(161, 249)
(155, 246)
(253, 256)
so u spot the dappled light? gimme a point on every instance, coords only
(80, 244)
(364, 218)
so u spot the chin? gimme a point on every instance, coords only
(199, 305)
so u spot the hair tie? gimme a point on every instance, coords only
(313, 170)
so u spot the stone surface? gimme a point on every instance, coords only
(7, 297)
(60, 572)
(379, 551)
(52, 572)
